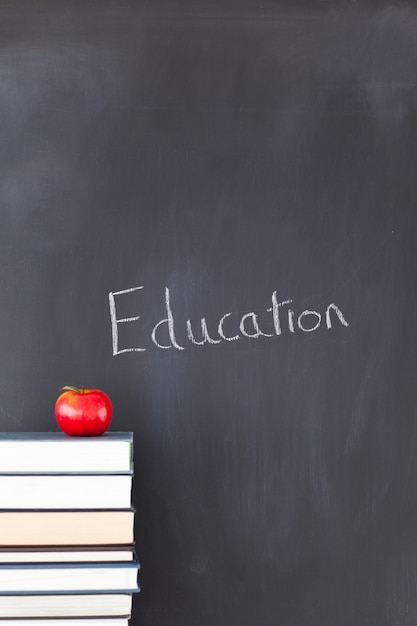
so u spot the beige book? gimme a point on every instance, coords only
(54, 528)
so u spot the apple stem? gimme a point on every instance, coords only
(70, 388)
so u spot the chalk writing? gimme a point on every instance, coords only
(283, 319)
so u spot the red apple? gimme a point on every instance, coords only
(83, 412)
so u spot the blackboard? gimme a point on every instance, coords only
(251, 165)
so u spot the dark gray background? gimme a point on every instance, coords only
(225, 151)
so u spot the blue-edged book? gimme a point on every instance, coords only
(69, 578)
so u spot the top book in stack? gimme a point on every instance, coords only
(57, 453)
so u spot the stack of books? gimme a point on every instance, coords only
(66, 529)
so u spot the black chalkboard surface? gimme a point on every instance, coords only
(209, 211)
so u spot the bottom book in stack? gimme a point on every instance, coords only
(98, 621)
(68, 583)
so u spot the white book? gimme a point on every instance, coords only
(30, 554)
(65, 492)
(69, 577)
(91, 621)
(55, 452)
(84, 605)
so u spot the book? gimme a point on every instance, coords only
(90, 621)
(54, 528)
(65, 491)
(55, 452)
(69, 605)
(67, 554)
(69, 578)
